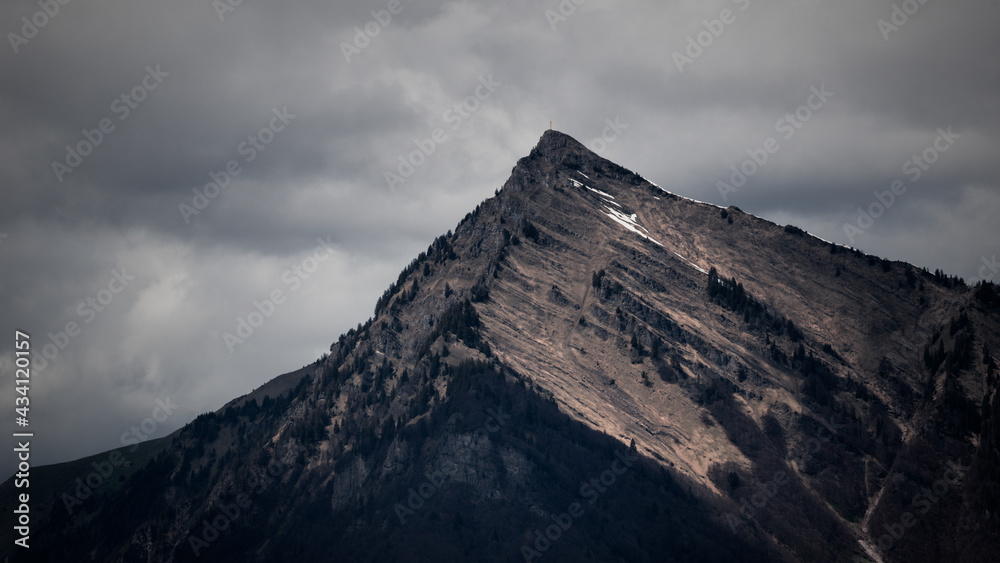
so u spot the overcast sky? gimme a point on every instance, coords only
(310, 103)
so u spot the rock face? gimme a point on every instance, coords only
(593, 369)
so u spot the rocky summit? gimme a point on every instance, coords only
(589, 368)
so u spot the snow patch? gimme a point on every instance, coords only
(608, 198)
(685, 260)
(655, 185)
(600, 193)
(630, 222)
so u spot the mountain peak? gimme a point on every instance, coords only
(555, 145)
(758, 393)
(553, 140)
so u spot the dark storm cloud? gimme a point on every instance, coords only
(580, 64)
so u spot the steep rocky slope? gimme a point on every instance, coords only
(639, 376)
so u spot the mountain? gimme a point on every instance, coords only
(591, 368)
